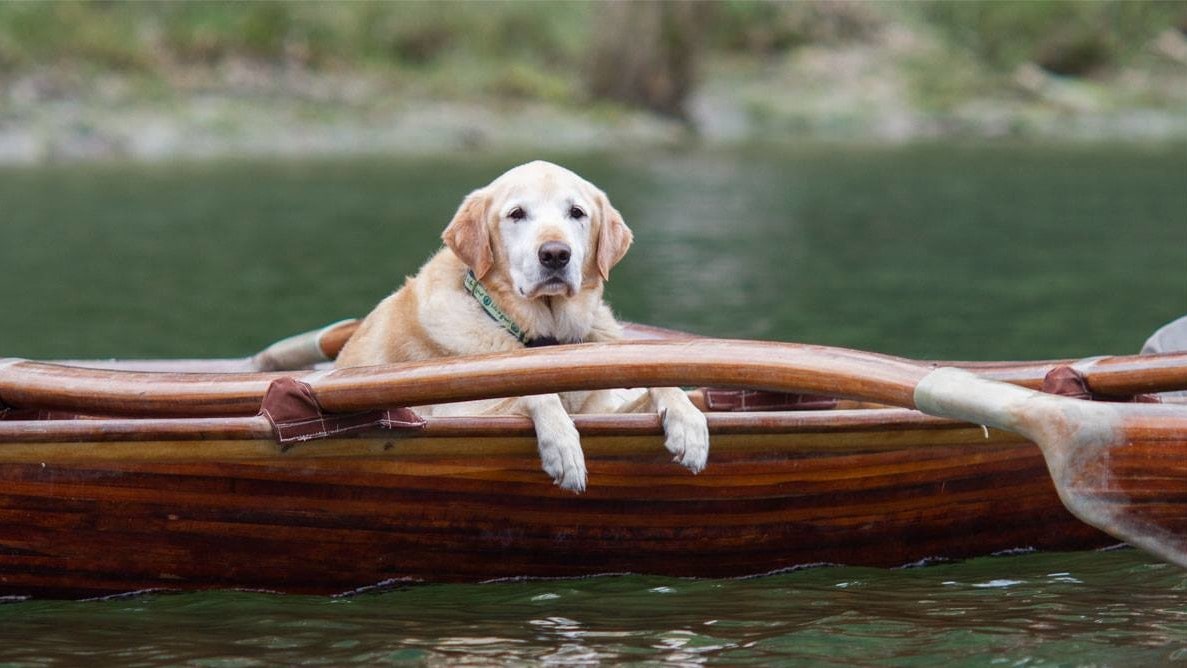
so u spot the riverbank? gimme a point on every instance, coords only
(895, 79)
(246, 110)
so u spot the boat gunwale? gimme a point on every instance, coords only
(104, 429)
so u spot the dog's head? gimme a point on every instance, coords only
(542, 228)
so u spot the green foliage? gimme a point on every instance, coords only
(552, 50)
(757, 27)
(101, 34)
(1064, 37)
(124, 34)
(519, 82)
(768, 27)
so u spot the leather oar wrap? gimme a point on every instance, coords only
(1068, 381)
(295, 415)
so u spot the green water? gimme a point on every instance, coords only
(1059, 609)
(974, 252)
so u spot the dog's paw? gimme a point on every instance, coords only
(686, 435)
(561, 455)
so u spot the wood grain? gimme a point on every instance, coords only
(467, 502)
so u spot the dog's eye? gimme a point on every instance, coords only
(576, 213)
(517, 214)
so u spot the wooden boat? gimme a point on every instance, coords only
(129, 476)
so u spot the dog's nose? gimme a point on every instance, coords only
(554, 254)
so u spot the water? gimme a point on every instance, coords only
(976, 252)
(1111, 608)
(936, 251)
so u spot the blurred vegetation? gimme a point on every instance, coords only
(1066, 37)
(947, 55)
(775, 27)
(421, 37)
(644, 53)
(153, 36)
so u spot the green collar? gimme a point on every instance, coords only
(492, 309)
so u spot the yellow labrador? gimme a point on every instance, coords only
(524, 264)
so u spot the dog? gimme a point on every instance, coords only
(524, 263)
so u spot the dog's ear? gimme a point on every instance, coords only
(467, 235)
(613, 239)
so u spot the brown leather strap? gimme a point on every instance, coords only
(1067, 381)
(292, 408)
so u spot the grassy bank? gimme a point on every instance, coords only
(94, 79)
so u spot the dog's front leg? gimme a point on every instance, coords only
(558, 440)
(686, 431)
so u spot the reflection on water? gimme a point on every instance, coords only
(1111, 608)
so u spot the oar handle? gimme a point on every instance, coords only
(304, 350)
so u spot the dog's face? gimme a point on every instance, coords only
(542, 228)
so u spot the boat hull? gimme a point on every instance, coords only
(465, 500)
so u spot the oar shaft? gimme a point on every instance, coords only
(780, 367)
(723, 363)
(1114, 376)
(772, 366)
(1136, 374)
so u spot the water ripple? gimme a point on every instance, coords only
(1101, 608)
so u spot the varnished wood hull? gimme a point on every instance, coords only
(465, 500)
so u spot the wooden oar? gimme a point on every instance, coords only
(1107, 376)
(1119, 375)
(1119, 467)
(747, 364)
(305, 349)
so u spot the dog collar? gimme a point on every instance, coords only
(492, 309)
